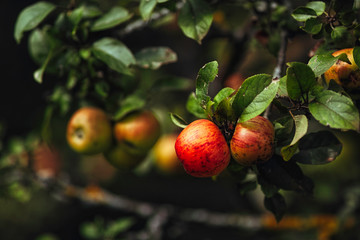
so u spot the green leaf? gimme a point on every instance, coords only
(318, 148)
(90, 11)
(222, 94)
(224, 112)
(206, 75)
(30, 17)
(146, 8)
(178, 121)
(245, 187)
(193, 106)
(155, 57)
(282, 92)
(129, 104)
(302, 14)
(267, 188)
(300, 79)
(40, 44)
(321, 63)
(317, 6)
(195, 19)
(339, 33)
(254, 96)
(114, 17)
(115, 54)
(285, 175)
(283, 128)
(335, 110)
(301, 126)
(356, 55)
(312, 26)
(288, 151)
(277, 205)
(117, 227)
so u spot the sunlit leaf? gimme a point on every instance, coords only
(301, 126)
(254, 96)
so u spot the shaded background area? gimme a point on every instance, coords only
(22, 103)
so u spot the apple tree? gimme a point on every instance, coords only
(266, 114)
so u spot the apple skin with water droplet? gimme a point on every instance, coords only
(202, 149)
(253, 141)
(89, 131)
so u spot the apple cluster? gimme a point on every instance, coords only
(204, 151)
(124, 143)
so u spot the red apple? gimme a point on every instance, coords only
(89, 131)
(202, 149)
(165, 158)
(138, 132)
(343, 73)
(253, 141)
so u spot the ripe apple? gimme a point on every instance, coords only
(343, 73)
(253, 141)
(202, 149)
(138, 132)
(165, 157)
(89, 131)
(119, 156)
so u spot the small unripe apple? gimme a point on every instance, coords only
(119, 156)
(253, 141)
(343, 73)
(89, 131)
(165, 157)
(202, 149)
(138, 131)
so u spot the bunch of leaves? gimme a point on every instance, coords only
(337, 22)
